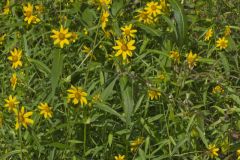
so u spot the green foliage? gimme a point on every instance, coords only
(160, 103)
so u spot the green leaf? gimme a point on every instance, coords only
(235, 98)
(26, 50)
(56, 71)
(109, 90)
(181, 21)
(190, 123)
(74, 141)
(9, 154)
(155, 118)
(179, 144)
(225, 63)
(108, 109)
(147, 144)
(110, 139)
(150, 30)
(89, 16)
(207, 60)
(171, 24)
(142, 154)
(144, 44)
(116, 27)
(127, 98)
(154, 51)
(138, 104)
(52, 153)
(202, 136)
(58, 145)
(40, 66)
(116, 7)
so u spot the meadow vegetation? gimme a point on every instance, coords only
(119, 79)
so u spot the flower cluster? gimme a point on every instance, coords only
(125, 45)
(149, 14)
(28, 12)
(135, 144)
(124, 72)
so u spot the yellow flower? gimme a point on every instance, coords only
(45, 110)
(222, 43)
(136, 143)
(104, 3)
(96, 98)
(175, 56)
(85, 31)
(161, 77)
(11, 103)
(89, 52)
(77, 95)
(13, 81)
(213, 150)
(227, 31)
(18, 34)
(218, 89)
(153, 8)
(153, 94)
(2, 38)
(28, 13)
(15, 57)
(120, 157)
(107, 34)
(62, 18)
(238, 154)
(74, 37)
(22, 118)
(145, 17)
(128, 32)
(61, 37)
(6, 8)
(163, 5)
(124, 48)
(39, 8)
(104, 19)
(208, 34)
(191, 59)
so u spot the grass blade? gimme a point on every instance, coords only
(181, 21)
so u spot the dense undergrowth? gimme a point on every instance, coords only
(120, 79)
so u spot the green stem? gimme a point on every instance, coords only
(84, 131)
(84, 139)
(20, 140)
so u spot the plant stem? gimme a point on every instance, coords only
(20, 139)
(84, 139)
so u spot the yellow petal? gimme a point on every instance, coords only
(29, 121)
(28, 114)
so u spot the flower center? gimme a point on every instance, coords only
(11, 104)
(28, 13)
(154, 7)
(47, 110)
(20, 118)
(222, 43)
(144, 16)
(14, 58)
(127, 31)
(103, 18)
(124, 47)
(61, 36)
(191, 60)
(78, 95)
